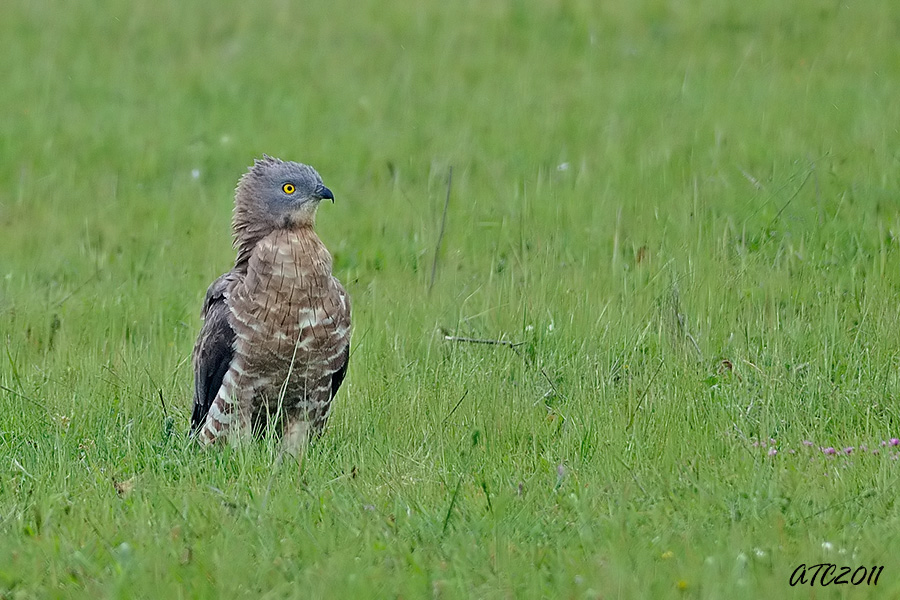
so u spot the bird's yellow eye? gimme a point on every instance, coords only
(288, 188)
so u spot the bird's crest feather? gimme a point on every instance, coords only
(259, 164)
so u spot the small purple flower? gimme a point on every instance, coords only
(829, 451)
(883, 443)
(755, 445)
(863, 448)
(875, 451)
(792, 451)
(848, 450)
(895, 442)
(772, 441)
(773, 452)
(808, 443)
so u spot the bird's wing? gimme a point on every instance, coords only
(338, 377)
(214, 349)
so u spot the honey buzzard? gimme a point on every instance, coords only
(275, 341)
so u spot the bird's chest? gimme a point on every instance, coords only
(277, 308)
(282, 282)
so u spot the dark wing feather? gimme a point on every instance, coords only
(338, 378)
(214, 349)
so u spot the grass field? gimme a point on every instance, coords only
(685, 213)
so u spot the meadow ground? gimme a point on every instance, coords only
(686, 214)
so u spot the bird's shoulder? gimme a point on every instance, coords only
(218, 290)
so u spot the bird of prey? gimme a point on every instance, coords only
(275, 340)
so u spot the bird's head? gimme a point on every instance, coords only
(274, 194)
(279, 193)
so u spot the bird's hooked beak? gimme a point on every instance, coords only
(324, 193)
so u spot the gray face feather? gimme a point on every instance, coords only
(280, 187)
(272, 194)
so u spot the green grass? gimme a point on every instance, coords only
(686, 213)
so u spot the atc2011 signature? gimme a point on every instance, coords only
(825, 574)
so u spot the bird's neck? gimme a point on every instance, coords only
(298, 243)
(250, 230)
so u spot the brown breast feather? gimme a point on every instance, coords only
(291, 319)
